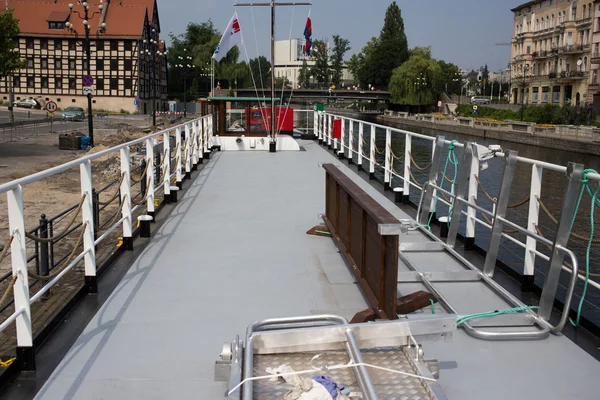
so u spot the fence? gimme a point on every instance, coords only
(162, 164)
(376, 149)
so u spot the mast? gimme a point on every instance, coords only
(273, 144)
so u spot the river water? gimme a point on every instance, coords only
(553, 186)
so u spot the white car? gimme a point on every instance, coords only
(28, 103)
(480, 100)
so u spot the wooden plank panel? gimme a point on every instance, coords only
(343, 217)
(356, 235)
(373, 259)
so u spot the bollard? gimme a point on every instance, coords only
(444, 222)
(399, 194)
(145, 221)
(174, 190)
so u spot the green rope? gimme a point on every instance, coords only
(451, 159)
(432, 306)
(466, 318)
(595, 202)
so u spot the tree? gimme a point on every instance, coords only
(418, 80)
(451, 77)
(261, 68)
(320, 55)
(10, 60)
(340, 47)
(304, 75)
(390, 50)
(354, 65)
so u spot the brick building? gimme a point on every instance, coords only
(124, 60)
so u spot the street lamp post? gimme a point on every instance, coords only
(184, 63)
(459, 78)
(420, 84)
(153, 50)
(525, 69)
(88, 52)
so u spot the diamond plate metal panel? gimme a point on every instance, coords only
(389, 386)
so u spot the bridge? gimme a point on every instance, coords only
(322, 95)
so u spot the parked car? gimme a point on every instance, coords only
(28, 103)
(480, 100)
(73, 114)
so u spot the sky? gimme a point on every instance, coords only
(464, 32)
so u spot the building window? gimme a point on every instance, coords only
(58, 44)
(30, 81)
(72, 83)
(72, 45)
(128, 84)
(114, 65)
(114, 45)
(29, 43)
(44, 44)
(17, 81)
(128, 65)
(100, 84)
(72, 64)
(58, 83)
(30, 63)
(45, 82)
(44, 63)
(85, 65)
(128, 44)
(595, 77)
(114, 84)
(58, 63)
(56, 25)
(99, 65)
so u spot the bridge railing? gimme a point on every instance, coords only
(193, 142)
(403, 159)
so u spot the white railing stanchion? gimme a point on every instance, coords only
(18, 255)
(188, 152)
(350, 141)
(126, 198)
(387, 173)
(373, 153)
(87, 217)
(329, 130)
(195, 144)
(201, 140)
(342, 150)
(315, 124)
(472, 197)
(178, 158)
(537, 173)
(151, 176)
(433, 207)
(361, 147)
(167, 164)
(407, 153)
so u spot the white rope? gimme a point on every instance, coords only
(327, 369)
(251, 73)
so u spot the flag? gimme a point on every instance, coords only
(232, 36)
(308, 36)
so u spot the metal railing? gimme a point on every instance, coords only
(372, 149)
(193, 143)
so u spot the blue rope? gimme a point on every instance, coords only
(432, 306)
(466, 318)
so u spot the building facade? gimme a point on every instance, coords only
(129, 73)
(289, 57)
(551, 57)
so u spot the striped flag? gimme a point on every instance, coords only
(232, 36)
(308, 36)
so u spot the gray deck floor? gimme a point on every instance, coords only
(235, 251)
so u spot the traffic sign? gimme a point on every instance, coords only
(88, 90)
(50, 115)
(88, 81)
(51, 107)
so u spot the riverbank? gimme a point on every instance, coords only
(582, 140)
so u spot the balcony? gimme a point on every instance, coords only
(583, 22)
(574, 48)
(595, 58)
(564, 76)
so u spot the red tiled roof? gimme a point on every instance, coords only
(58, 16)
(124, 18)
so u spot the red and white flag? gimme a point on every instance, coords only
(232, 36)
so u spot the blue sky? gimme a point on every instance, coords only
(464, 32)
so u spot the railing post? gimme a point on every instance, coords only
(195, 144)
(387, 173)
(178, 158)
(44, 251)
(373, 152)
(150, 169)
(202, 140)
(433, 207)
(167, 164)
(460, 193)
(96, 200)
(87, 216)
(342, 140)
(315, 124)
(428, 195)
(329, 130)
(532, 223)
(471, 212)
(188, 152)
(351, 141)
(407, 153)
(18, 251)
(157, 169)
(126, 198)
(361, 147)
